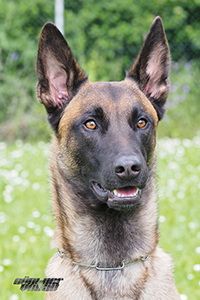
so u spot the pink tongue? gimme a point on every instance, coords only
(127, 191)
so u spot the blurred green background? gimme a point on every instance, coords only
(105, 38)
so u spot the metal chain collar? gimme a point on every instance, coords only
(120, 267)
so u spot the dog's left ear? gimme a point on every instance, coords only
(151, 69)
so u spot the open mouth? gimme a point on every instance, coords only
(120, 198)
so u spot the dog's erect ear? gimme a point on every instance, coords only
(59, 75)
(151, 69)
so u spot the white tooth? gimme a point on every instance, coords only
(115, 192)
(123, 196)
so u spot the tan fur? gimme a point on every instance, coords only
(87, 231)
(141, 279)
(155, 275)
(79, 103)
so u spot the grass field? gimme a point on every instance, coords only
(26, 224)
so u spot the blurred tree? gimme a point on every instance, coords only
(113, 32)
(20, 25)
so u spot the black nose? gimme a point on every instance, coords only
(127, 167)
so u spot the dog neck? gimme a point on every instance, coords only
(121, 265)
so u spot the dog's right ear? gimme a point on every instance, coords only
(151, 68)
(59, 75)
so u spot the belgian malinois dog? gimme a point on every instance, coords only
(103, 173)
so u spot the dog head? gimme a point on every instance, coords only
(106, 131)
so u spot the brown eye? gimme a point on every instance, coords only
(91, 125)
(141, 123)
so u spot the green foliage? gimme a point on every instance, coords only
(105, 37)
(178, 190)
(27, 224)
(183, 107)
(113, 32)
(24, 216)
(20, 25)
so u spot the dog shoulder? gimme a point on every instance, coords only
(160, 283)
(71, 287)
